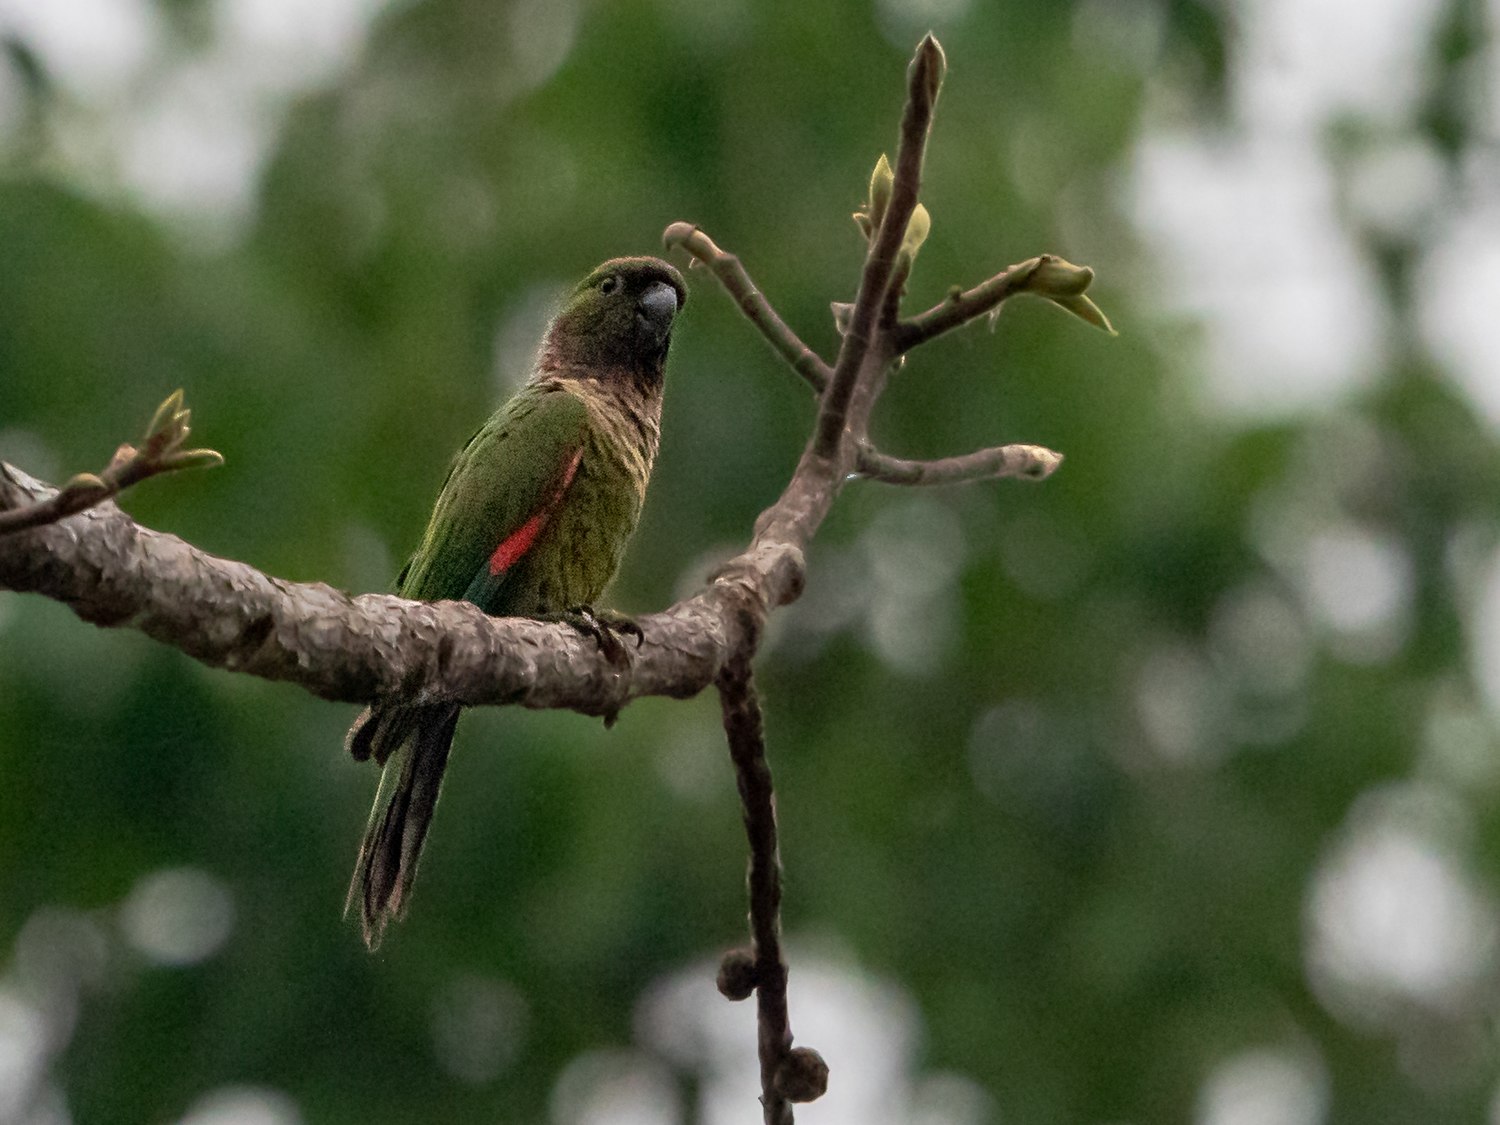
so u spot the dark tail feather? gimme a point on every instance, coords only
(413, 744)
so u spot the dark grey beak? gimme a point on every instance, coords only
(656, 309)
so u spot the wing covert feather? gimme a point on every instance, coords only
(508, 471)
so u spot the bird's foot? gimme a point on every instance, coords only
(605, 626)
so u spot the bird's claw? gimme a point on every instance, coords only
(605, 627)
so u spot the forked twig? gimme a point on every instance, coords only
(875, 338)
(160, 452)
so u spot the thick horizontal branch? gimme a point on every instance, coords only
(1023, 462)
(226, 614)
(731, 274)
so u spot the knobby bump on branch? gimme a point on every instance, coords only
(75, 545)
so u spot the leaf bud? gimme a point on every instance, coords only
(1055, 277)
(843, 313)
(882, 185)
(917, 229)
(165, 414)
(87, 487)
(193, 459)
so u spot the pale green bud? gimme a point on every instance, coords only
(1055, 277)
(882, 184)
(193, 459)
(166, 414)
(917, 229)
(86, 487)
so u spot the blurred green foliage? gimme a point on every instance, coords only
(1059, 763)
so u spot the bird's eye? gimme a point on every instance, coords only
(609, 285)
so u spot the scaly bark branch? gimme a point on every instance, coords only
(226, 614)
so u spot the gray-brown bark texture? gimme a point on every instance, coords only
(355, 648)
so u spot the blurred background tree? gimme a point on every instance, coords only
(1164, 791)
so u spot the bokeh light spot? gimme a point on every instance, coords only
(1393, 919)
(177, 917)
(1265, 1087)
(1180, 704)
(242, 1105)
(615, 1088)
(23, 1038)
(478, 1028)
(1359, 585)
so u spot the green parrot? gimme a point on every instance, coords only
(531, 521)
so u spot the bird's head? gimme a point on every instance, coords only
(620, 317)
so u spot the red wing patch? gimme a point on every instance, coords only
(515, 545)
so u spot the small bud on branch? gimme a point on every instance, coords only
(161, 452)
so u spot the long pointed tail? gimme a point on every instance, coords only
(412, 743)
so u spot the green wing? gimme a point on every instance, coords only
(502, 484)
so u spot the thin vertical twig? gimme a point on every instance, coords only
(745, 729)
(924, 78)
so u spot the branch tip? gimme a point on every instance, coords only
(678, 233)
(1047, 276)
(928, 68)
(1015, 462)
